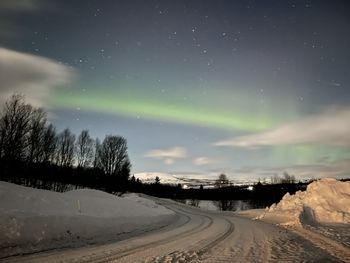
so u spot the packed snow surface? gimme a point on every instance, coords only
(324, 201)
(33, 220)
(194, 234)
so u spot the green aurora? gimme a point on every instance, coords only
(133, 106)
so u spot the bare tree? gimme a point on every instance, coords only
(14, 126)
(157, 180)
(124, 171)
(112, 155)
(65, 148)
(49, 144)
(194, 202)
(224, 205)
(287, 178)
(96, 162)
(84, 149)
(2, 140)
(275, 179)
(36, 135)
(222, 181)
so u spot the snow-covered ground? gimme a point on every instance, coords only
(325, 201)
(321, 214)
(35, 220)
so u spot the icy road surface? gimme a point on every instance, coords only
(200, 236)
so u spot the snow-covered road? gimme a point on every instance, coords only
(197, 236)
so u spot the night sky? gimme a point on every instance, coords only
(248, 88)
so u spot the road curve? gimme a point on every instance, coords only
(197, 236)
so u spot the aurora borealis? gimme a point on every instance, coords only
(161, 111)
(248, 88)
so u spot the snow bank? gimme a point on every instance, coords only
(34, 220)
(324, 201)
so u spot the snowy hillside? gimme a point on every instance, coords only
(33, 220)
(324, 201)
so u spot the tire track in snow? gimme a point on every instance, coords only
(206, 222)
(202, 236)
(49, 255)
(195, 255)
(332, 247)
(218, 240)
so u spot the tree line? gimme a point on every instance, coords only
(33, 153)
(224, 193)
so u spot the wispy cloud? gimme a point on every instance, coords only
(168, 156)
(20, 5)
(336, 169)
(10, 10)
(203, 160)
(33, 76)
(330, 127)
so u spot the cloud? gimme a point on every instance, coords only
(203, 160)
(20, 5)
(169, 161)
(336, 169)
(31, 75)
(10, 10)
(168, 156)
(330, 127)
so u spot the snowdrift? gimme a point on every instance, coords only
(324, 201)
(34, 220)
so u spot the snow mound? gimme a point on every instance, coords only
(144, 201)
(34, 220)
(324, 201)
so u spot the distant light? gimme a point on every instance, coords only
(250, 188)
(185, 186)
